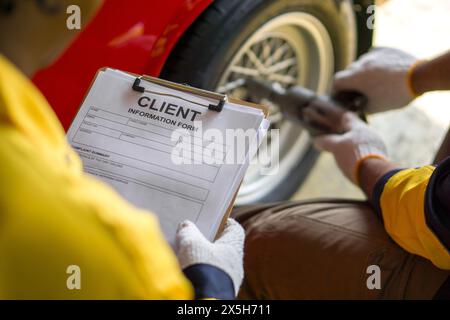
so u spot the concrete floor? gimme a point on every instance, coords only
(414, 133)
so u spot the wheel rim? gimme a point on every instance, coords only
(291, 49)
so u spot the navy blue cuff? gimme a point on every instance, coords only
(378, 190)
(437, 217)
(210, 282)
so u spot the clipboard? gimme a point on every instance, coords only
(221, 100)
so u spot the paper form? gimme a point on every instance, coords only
(127, 144)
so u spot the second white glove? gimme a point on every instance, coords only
(383, 75)
(226, 253)
(358, 143)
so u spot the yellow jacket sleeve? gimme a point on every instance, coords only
(53, 216)
(411, 214)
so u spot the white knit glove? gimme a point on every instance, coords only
(383, 75)
(226, 253)
(351, 148)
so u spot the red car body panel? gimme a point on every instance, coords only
(133, 35)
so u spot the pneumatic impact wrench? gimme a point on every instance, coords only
(319, 114)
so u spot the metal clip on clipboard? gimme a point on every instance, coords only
(221, 98)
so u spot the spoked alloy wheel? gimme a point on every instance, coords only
(291, 42)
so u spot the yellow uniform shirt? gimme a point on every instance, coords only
(52, 216)
(414, 206)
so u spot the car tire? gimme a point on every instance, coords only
(208, 47)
